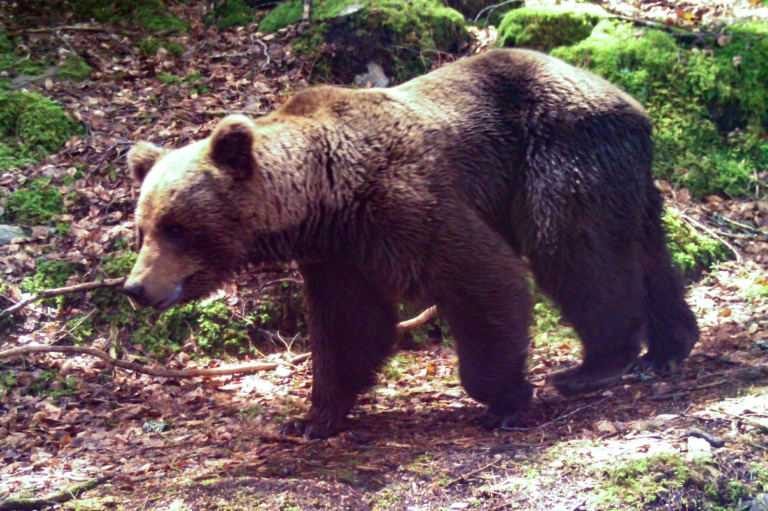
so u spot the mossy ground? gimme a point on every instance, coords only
(31, 127)
(671, 480)
(709, 106)
(231, 13)
(403, 37)
(147, 14)
(208, 328)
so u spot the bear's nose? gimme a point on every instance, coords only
(134, 291)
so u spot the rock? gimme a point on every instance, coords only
(759, 503)
(375, 77)
(10, 232)
(698, 448)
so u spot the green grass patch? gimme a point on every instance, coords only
(709, 108)
(31, 127)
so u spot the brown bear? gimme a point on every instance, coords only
(436, 191)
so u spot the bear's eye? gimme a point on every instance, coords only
(173, 232)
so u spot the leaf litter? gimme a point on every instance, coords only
(415, 443)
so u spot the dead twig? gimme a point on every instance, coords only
(50, 293)
(695, 224)
(64, 495)
(224, 113)
(71, 28)
(743, 226)
(419, 320)
(139, 368)
(466, 477)
(557, 419)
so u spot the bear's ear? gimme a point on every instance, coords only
(232, 146)
(141, 159)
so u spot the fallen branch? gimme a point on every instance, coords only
(64, 495)
(139, 368)
(50, 293)
(76, 28)
(419, 320)
(89, 286)
(224, 113)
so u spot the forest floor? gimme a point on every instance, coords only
(695, 439)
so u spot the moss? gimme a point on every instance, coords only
(118, 264)
(692, 251)
(281, 16)
(404, 37)
(710, 115)
(75, 69)
(668, 481)
(14, 61)
(545, 28)
(168, 78)
(150, 45)
(36, 203)
(147, 14)
(50, 275)
(231, 13)
(31, 127)
(215, 327)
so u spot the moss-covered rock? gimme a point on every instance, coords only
(283, 15)
(402, 36)
(545, 27)
(710, 108)
(31, 127)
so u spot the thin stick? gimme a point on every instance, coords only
(695, 223)
(50, 293)
(418, 320)
(166, 373)
(577, 410)
(79, 28)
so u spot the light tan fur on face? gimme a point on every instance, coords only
(161, 268)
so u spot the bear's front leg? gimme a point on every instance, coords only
(480, 288)
(352, 330)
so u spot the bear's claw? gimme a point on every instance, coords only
(581, 381)
(312, 429)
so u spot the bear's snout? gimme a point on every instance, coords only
(141, 297)
(136, 293)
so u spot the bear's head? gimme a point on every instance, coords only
(192, 214)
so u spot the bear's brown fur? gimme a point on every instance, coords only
(433, 190)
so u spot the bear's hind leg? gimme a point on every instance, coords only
(352, 329)
(480, 289)
(672, 328)
(601, 295)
